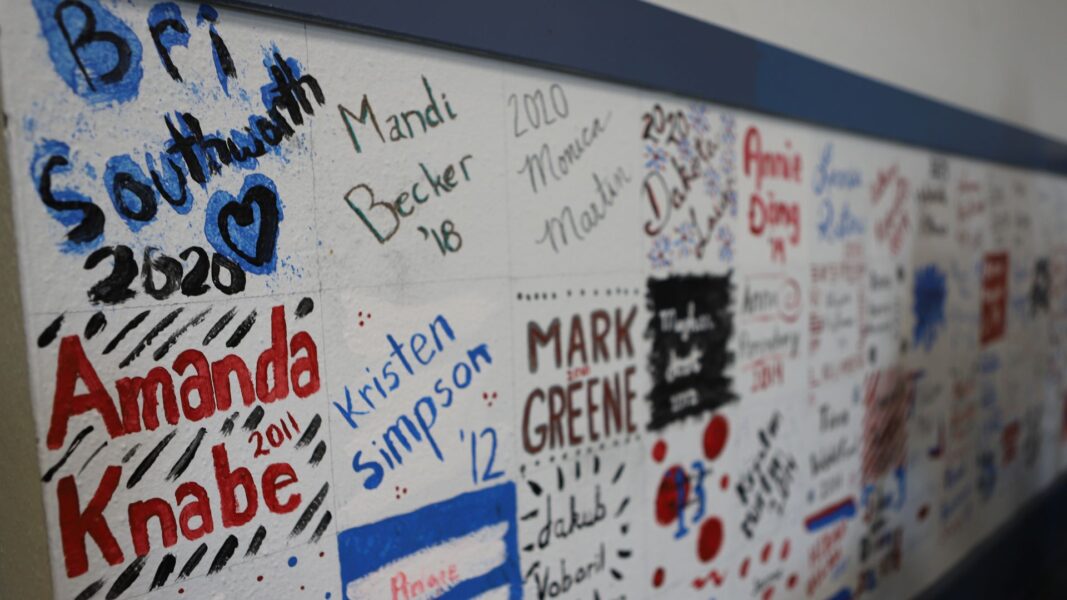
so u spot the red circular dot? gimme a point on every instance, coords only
(181, 590)
(715, 435)
(792, 581)
(658, 577)
(672, 494)
(710, 540)
(301, 588)
(724, 482)
(659, 451)
(260, 578)
(321, 554)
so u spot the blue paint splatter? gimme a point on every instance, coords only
(67, 206)
(247, 145)
(166, 17)
(92, 50)
(131, 191)
(271, 58)
(929, 305)
(292, 561)
(224, 67)
(206, 14)
(178, 124)
(171, 181)
(252, 224)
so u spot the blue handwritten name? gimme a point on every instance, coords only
(827, 178)
(836, 225)
(401, 438)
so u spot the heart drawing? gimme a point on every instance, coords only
(246, 229)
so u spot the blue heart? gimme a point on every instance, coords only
(246, 229)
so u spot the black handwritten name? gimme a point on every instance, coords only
(400, 124)
(557, 228)
(560, 165)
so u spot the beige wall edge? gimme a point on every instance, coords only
(24, 567)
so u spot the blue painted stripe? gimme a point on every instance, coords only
(846, 509)
(640, 44)
(844, 593)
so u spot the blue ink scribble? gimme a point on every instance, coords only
(92, 50)
(929, 306)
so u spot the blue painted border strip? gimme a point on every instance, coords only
(640, 44)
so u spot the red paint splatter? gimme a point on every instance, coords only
(710, 540)
(673, 492)
(923, 511)
(659, 451)
(715, 435)
(724, 482)
(785, 549)
(744, 568)
(768, 593)
(260, 578)
(765, 555)
(792, 581)
(658, 577)
(181, 590)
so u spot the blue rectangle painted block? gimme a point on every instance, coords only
(456, 548)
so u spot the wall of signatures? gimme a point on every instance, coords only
(317, 314)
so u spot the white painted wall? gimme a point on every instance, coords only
(1002, 59)
(972, 57)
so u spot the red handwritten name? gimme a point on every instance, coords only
(772, 165)
(205, 391)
